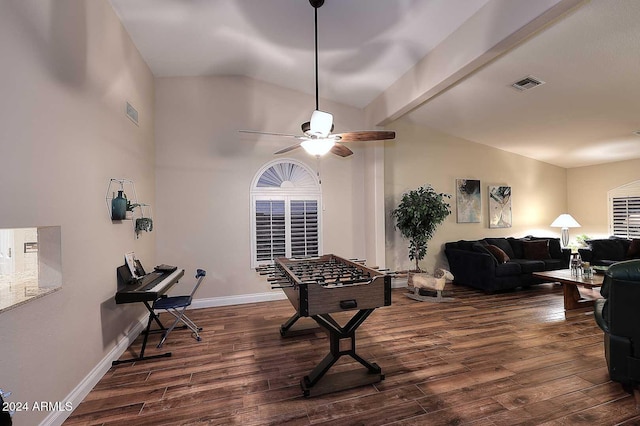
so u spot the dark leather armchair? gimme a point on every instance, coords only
(618, 315)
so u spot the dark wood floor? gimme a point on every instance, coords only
(502, 359)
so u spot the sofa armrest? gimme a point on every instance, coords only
(599, 314)
(586, 254)
(470, 267)
(566, 256)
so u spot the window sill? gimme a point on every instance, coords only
(20, 292)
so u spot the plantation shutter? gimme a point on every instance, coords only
(270, 229)
(626, 216)
(286, 208)
(304, 228)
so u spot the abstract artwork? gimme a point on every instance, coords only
(499, 207)
(468, 200)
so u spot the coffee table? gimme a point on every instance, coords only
(570, 283)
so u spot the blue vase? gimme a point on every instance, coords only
(119, 207)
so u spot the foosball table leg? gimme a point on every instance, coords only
(342, 341)
(287, 325)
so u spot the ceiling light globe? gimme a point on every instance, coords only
(318, 147)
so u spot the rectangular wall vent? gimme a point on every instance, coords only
(527, 83)
(132, 113)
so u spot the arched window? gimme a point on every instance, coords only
(624, 210)
(285, 212)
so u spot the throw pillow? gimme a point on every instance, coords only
(482, 248)
(498, 253)
(502, 244)
(634, 249)
(536, 250)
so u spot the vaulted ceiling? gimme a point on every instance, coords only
(446, 64)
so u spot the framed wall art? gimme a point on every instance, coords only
(468, 201)
(500, 207)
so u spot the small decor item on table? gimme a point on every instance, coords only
(575, 264)
(587, 272)
(119, 206)
(600, 270)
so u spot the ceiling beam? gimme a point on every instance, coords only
(496, 28)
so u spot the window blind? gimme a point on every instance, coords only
(626, 216)
(270, 229)
(304, 228)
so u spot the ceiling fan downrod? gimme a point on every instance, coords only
(316, 4)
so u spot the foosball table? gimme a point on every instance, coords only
(321, 286)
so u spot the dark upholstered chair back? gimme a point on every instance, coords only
(619, 317)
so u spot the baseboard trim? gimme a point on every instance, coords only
(242, 299)
(84, 387)
(57, 418)
(399, 283)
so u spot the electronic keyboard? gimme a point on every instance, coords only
(148, 289)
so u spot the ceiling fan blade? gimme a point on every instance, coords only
(368, 135)
(287, 149)
(341, 150)
(286, 135)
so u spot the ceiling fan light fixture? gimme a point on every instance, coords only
(321, 124)
(318, 147)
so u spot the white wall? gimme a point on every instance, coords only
(587, 189)
(421, 156)
(68, 68)
(205, 168)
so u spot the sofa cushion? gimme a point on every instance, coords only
(503, 244)
(516, 246)
(553, 264)
(536, 250)
(555, 249)
(498, 253)
(508, 269)
(609, 249)
(528, 266)
(482, 248)
(634, 249)
(461, 245)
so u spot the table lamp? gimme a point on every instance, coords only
(565, 221)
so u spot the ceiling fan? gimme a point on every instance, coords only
(317, 138)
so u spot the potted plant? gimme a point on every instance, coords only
(417, 216)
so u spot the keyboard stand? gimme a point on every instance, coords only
(125, 295)
(146, 332)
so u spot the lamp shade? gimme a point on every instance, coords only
(565, 220)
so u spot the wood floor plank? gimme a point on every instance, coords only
(512, 358)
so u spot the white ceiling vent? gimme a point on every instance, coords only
(527, 83)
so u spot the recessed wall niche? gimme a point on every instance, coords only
(30, 264)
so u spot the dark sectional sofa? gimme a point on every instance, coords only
(607, 251)
(494, 264)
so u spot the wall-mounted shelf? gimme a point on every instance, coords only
(122, 204)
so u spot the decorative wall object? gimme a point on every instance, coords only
(468, 201)
(121, 207)
(500, 207)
